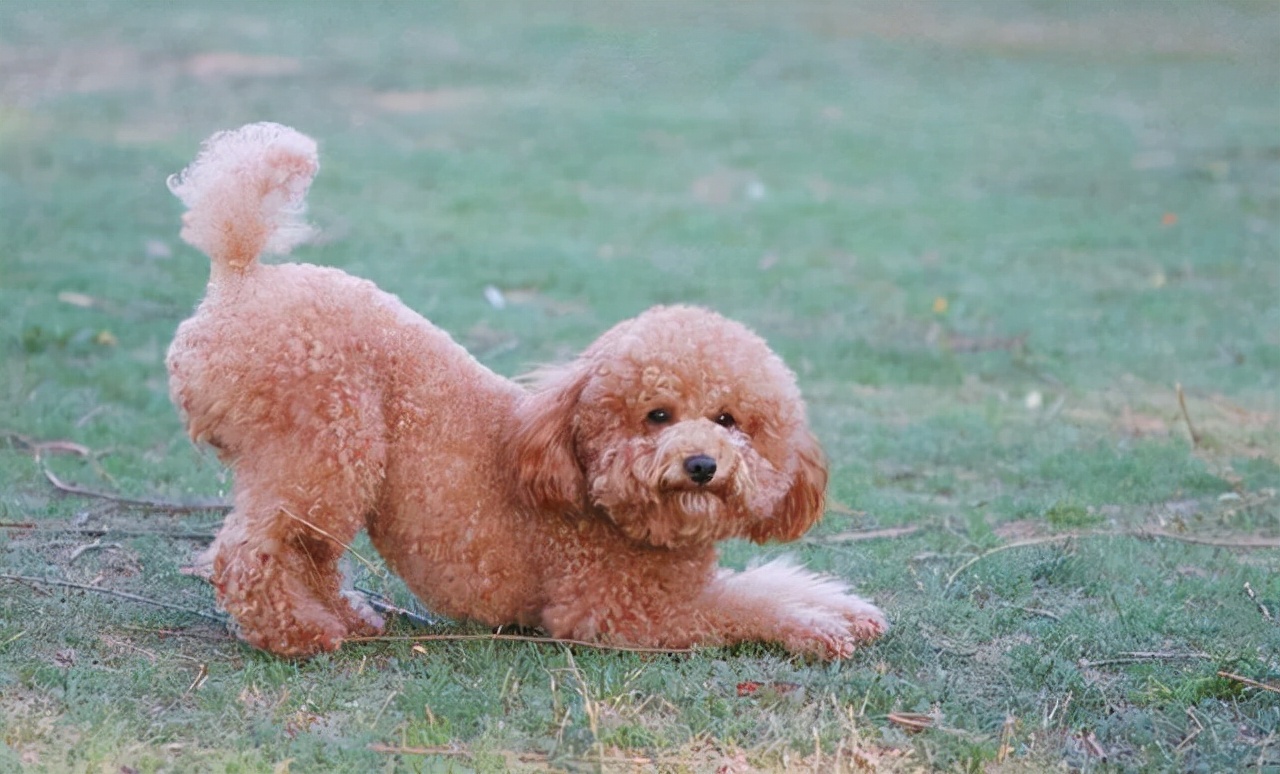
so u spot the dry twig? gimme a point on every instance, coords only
(1033, 611)
(1008, 547)
(148, 504)
(1262, 608)
(912, 722)
(163, 633)
(437, 750)
(109, 592)
(1191, 735)
(386, 608)
(858, 535)
(202, 674)
(96, 545)
(525, 757)
(1134, 657)
(379, 572)
(1244, 542)
(1248, 682)
(1006, 738)
(1091, 743)
(1186, 415)
(39, 448)
(64, 528)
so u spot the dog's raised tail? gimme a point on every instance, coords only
(246, 193)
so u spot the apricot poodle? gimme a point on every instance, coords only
(589, 504)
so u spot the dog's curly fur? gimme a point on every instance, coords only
(588, 505)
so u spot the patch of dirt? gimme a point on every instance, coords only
(103, 562)
(484, 340)
(434, 101)
(30, 723)
(726, 186)
(1138, 409)
(35, 74)
(1021, 529)
(552, 306)
(228, 64)
(1138, 425)
(1132, 31)
(1107, 29)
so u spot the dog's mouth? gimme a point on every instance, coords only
(676, 519)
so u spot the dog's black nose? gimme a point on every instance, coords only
(700, 468)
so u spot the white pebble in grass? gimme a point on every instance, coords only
(495, 297)
(1034, 400)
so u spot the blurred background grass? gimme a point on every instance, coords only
(989, 236)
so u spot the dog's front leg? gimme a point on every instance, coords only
(779, 602)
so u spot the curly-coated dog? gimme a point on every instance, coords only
(588, 505)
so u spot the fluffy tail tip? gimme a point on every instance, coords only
(246, 193)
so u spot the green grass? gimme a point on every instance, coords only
(990, 237)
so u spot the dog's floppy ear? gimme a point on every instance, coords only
(542, 447)
(803, 503)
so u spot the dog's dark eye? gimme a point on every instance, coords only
(659, 416)
(726, 420)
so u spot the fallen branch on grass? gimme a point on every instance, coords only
(1093, 746)
(437, 750)
(63, 528)
(148, 504)
(111, 592)
(1135, 657)
(1251, 683)
(1244, 542)
(39, 448)
(1009, 547)
(1191, 735)
(96, 545)
(912, 722)
(915, 722)
(526, 757)
(163, 633)
(515, 638)
(1033, 611)
(858, 535)
(386, 608)
(1262, 608)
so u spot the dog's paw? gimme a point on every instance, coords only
(866, 621)
(835, 632)
(826, 641)
(359, 616)
(292, 637)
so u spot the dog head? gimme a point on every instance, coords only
(680, 426)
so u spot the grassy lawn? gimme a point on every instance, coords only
(996, 240)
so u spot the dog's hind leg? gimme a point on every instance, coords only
(275, 561)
